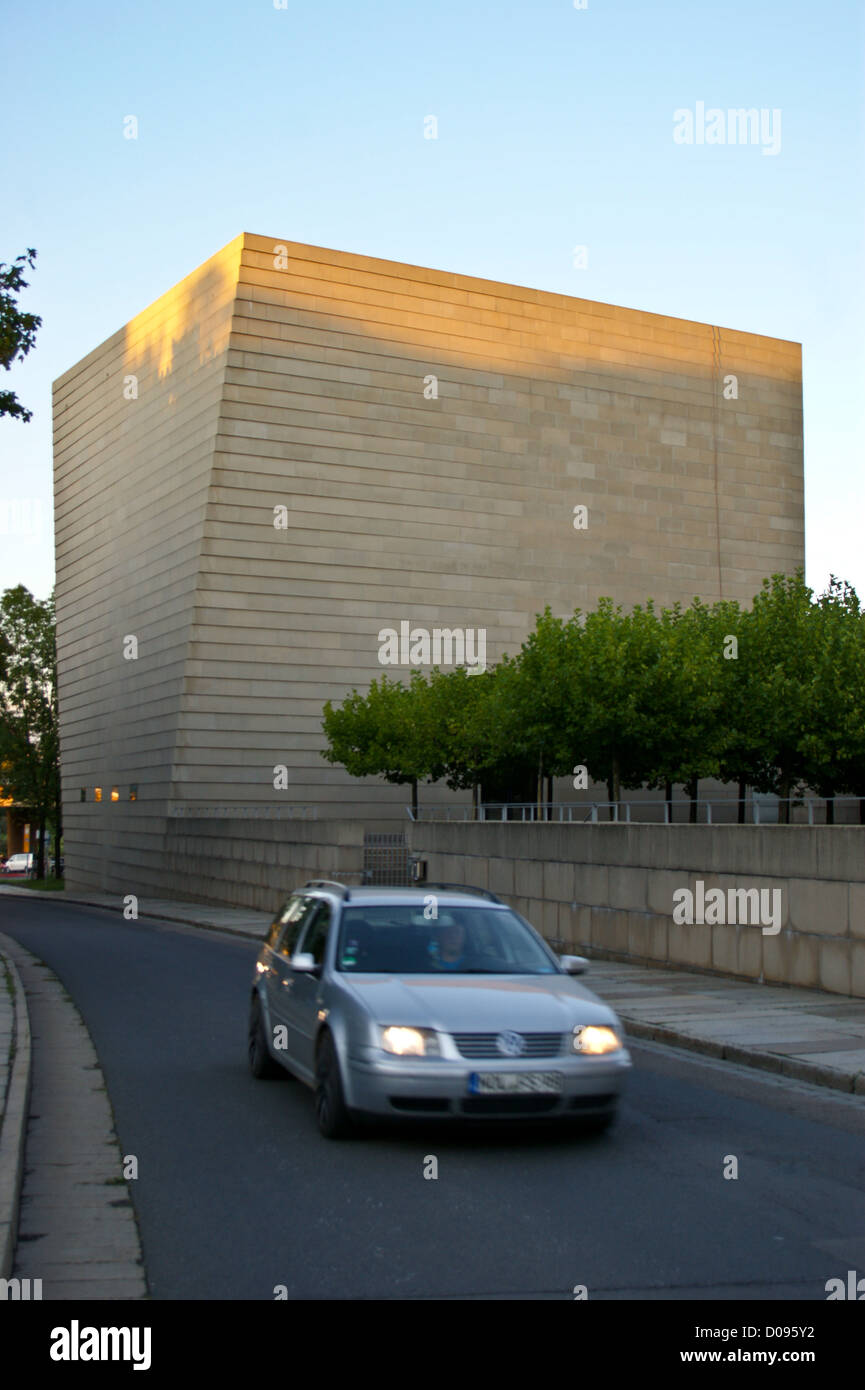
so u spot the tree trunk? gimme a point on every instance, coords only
(549, 798)
(414, 797)
(743, 792)
(540, 783)
(616, 787)
(830, 810)
(692, 789)
(58, 828)
(784, 803)
(862, 811)
(668, 797)
(40, 848)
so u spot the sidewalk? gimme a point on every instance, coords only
(804, 1034)
(15, 1076)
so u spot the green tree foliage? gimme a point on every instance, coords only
(17, 329)
(29, 734)
(383, 733)
(832, 742)
(772, 697)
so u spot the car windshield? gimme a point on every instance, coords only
(408, 940)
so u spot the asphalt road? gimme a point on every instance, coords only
(238, 1194)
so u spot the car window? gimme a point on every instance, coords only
(297, 914)
(286, 913)
(400, 940)
(315, 937)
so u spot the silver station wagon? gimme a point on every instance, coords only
(429, 1002)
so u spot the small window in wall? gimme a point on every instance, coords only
(133, 792)
(83, 793)
(97, 793)
(115, 793)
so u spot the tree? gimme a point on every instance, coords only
(17, 330)
(619, 655)
(464, 733)
(684, 699)
(538, 699)
(833, 741)
(383, 733)
(29, 725)
(780, 652)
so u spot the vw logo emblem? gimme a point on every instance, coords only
(511, 1044)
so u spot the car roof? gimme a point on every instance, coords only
(382, 896)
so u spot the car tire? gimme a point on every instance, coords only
(331, 1112)
(261, 1064)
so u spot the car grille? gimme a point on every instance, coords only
(484, 1045)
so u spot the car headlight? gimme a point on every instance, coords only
(594, 1041)
(410, 1042)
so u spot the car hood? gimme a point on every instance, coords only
(478, 1003)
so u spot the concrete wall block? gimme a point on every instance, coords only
(592, 885)
(725, 948)
(804, 960)
(545, 919)
(662, 883)
(856, 911)
(857, 970)
(500, 877)
(629, 888)
(558, 882)
(750, 953)
(777, 958)
(690, 945)
(529, 878)
(610, 930)
(574, 929)
(835, 967)
(641, 935)
(819, 907)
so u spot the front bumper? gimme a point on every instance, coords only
(378, 1084)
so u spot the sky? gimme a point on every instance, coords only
(555, 129)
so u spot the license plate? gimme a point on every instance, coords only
(508, 1082)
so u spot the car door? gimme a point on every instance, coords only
(303, 1000)
(281, 979)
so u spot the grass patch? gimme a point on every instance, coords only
(40, 885)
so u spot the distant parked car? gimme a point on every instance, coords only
(18, 864)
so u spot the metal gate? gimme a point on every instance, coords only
(385, 858)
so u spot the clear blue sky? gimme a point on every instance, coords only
(555, 128)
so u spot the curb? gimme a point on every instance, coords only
(152, 916)
(14, 1123)
(789, 1067)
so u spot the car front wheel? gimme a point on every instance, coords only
(331, 1111)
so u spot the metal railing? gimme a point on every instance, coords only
(764, 811)
(246, 812)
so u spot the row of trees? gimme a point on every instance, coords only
(29, 738)
(29, 732)
(771, 697)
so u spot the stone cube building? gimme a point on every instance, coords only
(296, 448)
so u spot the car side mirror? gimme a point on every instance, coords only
(304, 963)
(574, 965)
